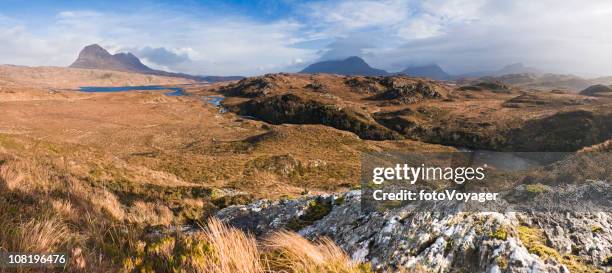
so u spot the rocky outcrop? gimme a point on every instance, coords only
(544, 99)
(563, 131)
(290, 108)
(597, 90)
(494, 86)
(365, 85)
(439, 240)
(253, 87)
(402, 90)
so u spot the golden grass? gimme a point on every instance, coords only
(150, 213)
(232, 250)
(23, 176)
(43, 236)
(290, 252)
(99, 199)
(45, 207)
(222, 249)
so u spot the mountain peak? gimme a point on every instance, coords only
(94, 50)
(96, 57)
(354, 59)
(350, 66)
(516, 68)
(432, 71)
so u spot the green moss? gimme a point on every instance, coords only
(230, 200)
(536, 188)
(607, 261)
(317, 209)
(500, 234)
(173, 253)
(502, 262)
(596, 229)
(535, 242)
(449, 246)
(366, 268)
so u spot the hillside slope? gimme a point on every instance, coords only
(60, 77)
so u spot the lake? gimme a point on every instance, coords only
(172, 91)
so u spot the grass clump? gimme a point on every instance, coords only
(289, 252)
(223, 249)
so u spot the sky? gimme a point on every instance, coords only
(256, 37)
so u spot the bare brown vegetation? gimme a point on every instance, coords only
(60, 77)
(112, 178)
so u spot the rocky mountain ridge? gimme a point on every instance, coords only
(95, 57)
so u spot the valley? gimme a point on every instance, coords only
(150, 159)
(281, 136)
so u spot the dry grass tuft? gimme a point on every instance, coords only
(46, 208)
(64, 208)
(150, 213)
(233, 250)
(100, 199)
(39, 236)
(291, 252)
(223, 249)
(23, 176)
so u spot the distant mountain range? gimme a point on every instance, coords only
(357, 66)
(95, 57)
(517, 68)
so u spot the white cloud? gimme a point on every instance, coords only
(471, 35)
(220, 46)
(350, 15)
(460, 35)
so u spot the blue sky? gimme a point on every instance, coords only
(255, 37)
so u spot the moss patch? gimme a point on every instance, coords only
(535, 242)
(536, 188)
(500, 234)
(317, 209)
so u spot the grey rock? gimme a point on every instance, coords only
(411, 238)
